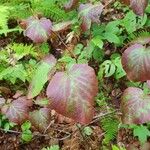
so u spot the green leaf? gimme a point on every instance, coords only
(14, 72)
(77, 49)
(26, 126)
(112, 38)
(27, 136)
(142, 133)
(114, 147)
(97, 41)
(6, 126)
(107, 69)
(53, 147)
(119, 73)
(67, 59)
(129, 22)
(41, 76)
(111, 27)
(4, 14)
(98, 54)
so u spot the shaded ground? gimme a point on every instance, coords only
(62, 131)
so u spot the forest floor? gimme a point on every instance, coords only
(63, 131)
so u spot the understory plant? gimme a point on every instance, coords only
(67, 83)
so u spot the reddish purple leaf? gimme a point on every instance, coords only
(17, 110)
(71, 5)
(38, 30)
(89, 14)
(61, 26)
(138, 6)
(40, 118)
(135, 106)
(41, 76)
(72, 93)
(136, 62)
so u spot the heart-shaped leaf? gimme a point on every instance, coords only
(17, 110)
(72, 92)
(135, 106)
(41, 76)
(38, 30)
(71, 5)
(138, 6)
(89, 13)
(40, 118)
(136, 62)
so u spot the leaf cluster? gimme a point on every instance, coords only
(69, 84)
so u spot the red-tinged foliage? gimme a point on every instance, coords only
(89, 14)
(40, 118)
(17, 110)
(71, 5)
(41, 76)
(135, 106)
(38, 30)
(138, 6)
(136, 62)
(72, 93)
(60, 27)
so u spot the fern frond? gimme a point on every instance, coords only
(110, 126)
(6, 31)
(134, 36)
(22, 50)
(50, 9)
(4, 16)
(21, 11)
(16, 51)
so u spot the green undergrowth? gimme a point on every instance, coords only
(101, 47)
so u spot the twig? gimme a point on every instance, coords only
(84, 138)
(40, 135)
(96, 118)
(72, 54)
(47, 127)
(80, 129)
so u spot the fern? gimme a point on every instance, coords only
(13, 73)
(21, 11)
(4, 16)
(12, 53)
(50, 9)
(134, 36)
(13, 69)
(110, 126)
(13, 2)
(5, 11)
